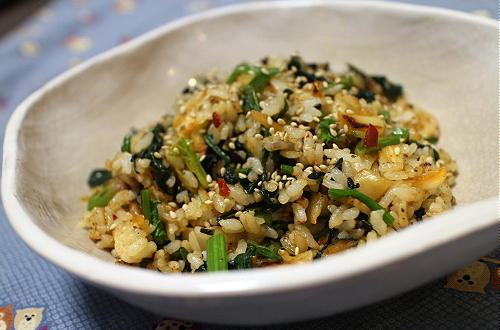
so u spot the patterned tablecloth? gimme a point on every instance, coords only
(67, 32)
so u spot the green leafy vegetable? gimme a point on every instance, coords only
(324, 127)
(244, 260)
(244, 170)
(261, 79)
(249, 99)
(391, 91)
(150, 211)
(432, 139)
(332, 235)
(286, 169)
(346, 82)
(126, 143)
(98, 177)
(212, 145)
(190, 158)
(264, 213)
(387, 116)
(265, 251)
(181, 254)
(216, 253)
(372, 205)
(102, 197)
(357, 71)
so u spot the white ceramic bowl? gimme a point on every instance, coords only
(446, 61)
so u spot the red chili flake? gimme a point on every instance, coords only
(223, 188)
(216, 119)
(371, 137)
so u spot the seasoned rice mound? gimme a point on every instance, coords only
(288, 160)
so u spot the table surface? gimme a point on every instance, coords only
(66, 32)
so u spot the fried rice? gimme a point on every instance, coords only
(280, 162)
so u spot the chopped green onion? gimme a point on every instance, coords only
(146, 203)
(216, 253)
(372, 205)
(211, 143)
(286, 169)
(402, 132)
(188, 154)
(126, 143)
(102, 197)
(264, 251)
(98, 178)
(240, 69)
(383, 141)
(357, 133)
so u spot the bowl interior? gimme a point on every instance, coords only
(447, 65)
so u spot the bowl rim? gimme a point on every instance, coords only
(246, 282)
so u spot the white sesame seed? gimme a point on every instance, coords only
(259, 136)
(222, 171)
(316, 168)
(284, 177)
(202, 157)
(172, 214)
(113, 226)
(172, 204)
(346, 128)
(208, 202)
(349, 111)
(294, 124)
(315, 138)
(280, 185)
(237, 214)
(242, 176)
(281, 121)
(269, 120)
(232, 145)
(209, 178)
(272, 130)
(322, 167)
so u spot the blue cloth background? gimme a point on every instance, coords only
(69, 31)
